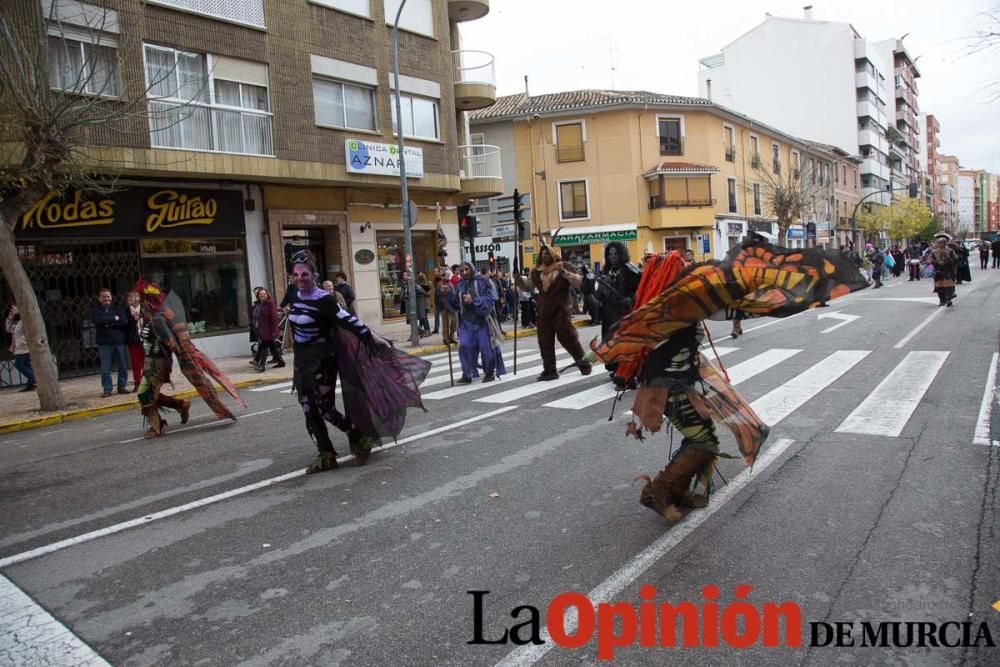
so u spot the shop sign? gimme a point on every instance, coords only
(796, 232)
(811, 230)
(597, 237)
(369, 157)
(134, 213)
(364, 256)
(503, 231)
(735, 228)
(759, 226)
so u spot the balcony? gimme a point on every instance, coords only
(776, 166)
(481, 174)
(467, 10)
(475, 80)
(870, 137)
(865, 79)
(756, 162)
(730, 153)
(671, 146)
(658, 201)
(199, 127)
(674, 217)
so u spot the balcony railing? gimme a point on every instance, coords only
(200, 127)
(658, 201)
(671, 146)
(474, 67)
(776, 166)
(480, 161)
(730, 153)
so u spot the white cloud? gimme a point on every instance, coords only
(567, 44)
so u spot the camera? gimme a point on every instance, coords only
(536, 116)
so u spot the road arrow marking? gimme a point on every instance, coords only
(996, 605)
(847, 319)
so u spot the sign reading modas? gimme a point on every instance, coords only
(135, 212)
(369, 157)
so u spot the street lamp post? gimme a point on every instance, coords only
(854, 214)
(411, 285)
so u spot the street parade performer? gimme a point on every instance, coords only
(473, 300)
(553, 278)
(657, 343)
(616, 288)
(164, 335)
(945, 261)
(378, 382)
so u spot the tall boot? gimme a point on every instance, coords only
(156, 424)
(183, 407)
(668, 492)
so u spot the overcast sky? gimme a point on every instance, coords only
(567, 44)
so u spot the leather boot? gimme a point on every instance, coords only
(669, 490)
(157, 425)
(183, 407)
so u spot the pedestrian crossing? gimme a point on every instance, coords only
(880, 405)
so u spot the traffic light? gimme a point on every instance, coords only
(467, 224)
(492, 260)
(914, 190)
(517, 206)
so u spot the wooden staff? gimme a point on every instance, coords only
(451, 370)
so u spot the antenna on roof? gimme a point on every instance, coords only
(526, 93)
(611, 50)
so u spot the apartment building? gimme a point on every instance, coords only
(268, 127)
(658, 172)
(933, 142)
(948, 186)
(821, 80)
(903, 111)
(966, 201)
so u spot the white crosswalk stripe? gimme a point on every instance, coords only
(518, 393)
(758, 364)
(603, 392)
(789, 397)
(887, 409)
(445, 377)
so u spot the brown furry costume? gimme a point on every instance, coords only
(554, 319)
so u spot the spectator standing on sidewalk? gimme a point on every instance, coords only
(19, 347)
(136, 354)
(984, 255)
(268, 323)
(111, 323)
(449, 322)
(345, 290)
(423, 295)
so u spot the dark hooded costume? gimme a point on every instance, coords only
(616, 286)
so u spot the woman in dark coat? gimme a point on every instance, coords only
(267, 323)
(945, 263)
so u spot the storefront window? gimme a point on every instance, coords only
(209, 275)
(390, 266)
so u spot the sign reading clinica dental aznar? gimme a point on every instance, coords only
(135, 213)
(369, 157)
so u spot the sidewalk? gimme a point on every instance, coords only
(19, 410)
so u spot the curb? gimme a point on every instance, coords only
(87, 413)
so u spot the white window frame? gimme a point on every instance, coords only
(333, 4)
(577, 121)
(390, 18)
(96, 42)
(736, 195)
(345, 126)
(586, 185)
(671, 116)
(403, 97)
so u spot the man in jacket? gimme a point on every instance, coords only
(111, 323)
(340, 284)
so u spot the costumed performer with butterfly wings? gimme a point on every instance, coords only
(658, 342)
(379, 383)
(165, 335)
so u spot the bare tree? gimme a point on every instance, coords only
(63, 102)
(986, 40)
(787, 194)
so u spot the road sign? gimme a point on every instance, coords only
(412, 207)
(503, 231)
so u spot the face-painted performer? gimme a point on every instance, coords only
(945, 261)
(164, 334)
(617, 285)
(473, 299)
(553, 278)
(657, 344)
(378, 382)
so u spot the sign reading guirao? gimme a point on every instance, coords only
(368, 157)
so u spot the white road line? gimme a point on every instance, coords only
(612, 587)
(982, 436)
(603, 392)
(273, 387)
(29, 635)
(220, 422)
(517, 393)
(232, 493)
(758, 364)
(478, 385)
(789, 397)
(886, 410)
(908, 337)
(782, 319)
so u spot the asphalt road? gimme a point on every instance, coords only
(875, 499)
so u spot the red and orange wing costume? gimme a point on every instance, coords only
(757, 278)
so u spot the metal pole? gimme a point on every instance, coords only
(411, 286)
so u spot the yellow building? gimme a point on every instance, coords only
(656, 171)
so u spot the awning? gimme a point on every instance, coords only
(680, 169)
(600, 234)
(770, 237)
